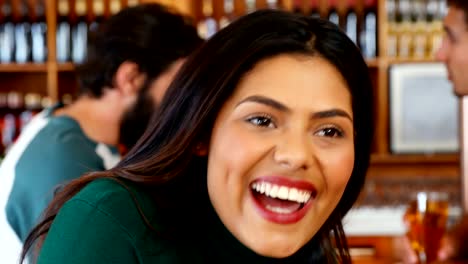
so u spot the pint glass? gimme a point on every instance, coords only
(426, 219)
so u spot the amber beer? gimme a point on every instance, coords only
(426, 218)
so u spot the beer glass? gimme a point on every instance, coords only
(426, 219)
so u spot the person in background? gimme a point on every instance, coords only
(454, 49)
(453, 52)
(259, 148)
(131, 60)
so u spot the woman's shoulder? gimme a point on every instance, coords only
(120, 200)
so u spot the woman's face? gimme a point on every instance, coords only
(281, 153)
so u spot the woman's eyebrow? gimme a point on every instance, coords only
(332, 113)
(266, 101)
(277, 105)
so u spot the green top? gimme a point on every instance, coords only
(102, 224)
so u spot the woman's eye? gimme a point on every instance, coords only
(262, 121)
(330, 132)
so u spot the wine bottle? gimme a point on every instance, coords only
(314, 9)
(23, 34)
(228, 16)
(368, 35)
(7, 33)
(63, 34)
(80, 31)
(333, 14)
(351, 23)
(392, 39)
(39, 33)
(207, 27)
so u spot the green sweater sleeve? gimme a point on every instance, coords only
(83, 233)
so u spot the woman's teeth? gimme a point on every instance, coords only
(282, 192)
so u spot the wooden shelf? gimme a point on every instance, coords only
(373, 63)
(66, 67)
(398, 159)
(23, 67)
(404, 166)
(399, 61)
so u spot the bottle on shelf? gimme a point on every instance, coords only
(11, 119)
(114, 6)
(392, 31)
(7, 33)
(32, 106)
(301, 7)
(351, 22)
(272, 4)
(420, 35)
(39, 33)
(405, 37)
(207, 27)
(436, 12)
(131, 3)
(98, 14)
(22, 33)
(67, 99)
(250, 6)
(333, 13)
(63, 34)
(80, 31)
(314, 9)
(368, 33)
(228, 16)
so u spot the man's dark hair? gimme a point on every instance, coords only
(150, 35)
(462, 5)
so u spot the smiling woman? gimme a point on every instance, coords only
(259, 148)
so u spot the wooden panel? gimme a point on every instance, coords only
(23, 82)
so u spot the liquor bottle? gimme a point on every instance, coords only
(405, 30)
(228, 16)
(7, 33)
(99, 16)
(420, 42)
(436, 12)
(392, 39)
(250, 6)
(333, 14)
(22, 34)
(80, 31)
(32, 105)
(114, 6)
(301, 7)
(11, 120)
(39, 33)
(207, 27)
(63, 35)
(351, 23)
(314, 9)
(368, 35)
(272, 4)
(131, 3)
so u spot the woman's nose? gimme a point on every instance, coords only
(293, 152)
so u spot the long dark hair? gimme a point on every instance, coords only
(163, 162)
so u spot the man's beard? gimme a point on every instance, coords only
(136, 119)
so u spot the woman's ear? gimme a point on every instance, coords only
(201, 149)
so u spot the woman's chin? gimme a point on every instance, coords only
(276, 250)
